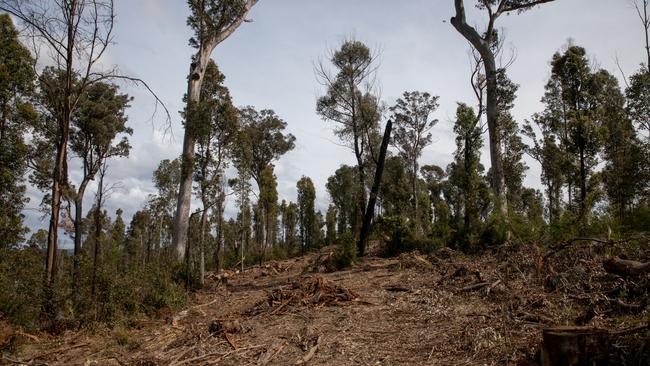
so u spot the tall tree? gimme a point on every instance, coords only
(16, 87)
(413, 121)
(465, 172)
(266, 130)
(98, 120)
(76, 34)
(212, 21)
(307, 213)
(484, 44)
(352, 103)
(343, 190)
(216, 126)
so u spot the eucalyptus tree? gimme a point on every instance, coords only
(265, 130)
(212, 22)
(465, 172)
(483, 43)
(351, 102)
(98, 120)
(413, 121)
(307, 213)
(343, 190)
(75, 34)
(16, 112)
(215, 125)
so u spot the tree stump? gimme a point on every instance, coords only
(574, 346)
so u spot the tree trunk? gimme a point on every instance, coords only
(98, 230)
(204, 220)
(583, 184)
(370, 210)
(483, 47)
(625, 268)
(78, 226)
(194, 83)
(220, 233)
(181, 219)
(416, 215)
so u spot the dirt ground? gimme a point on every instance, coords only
(441, 309)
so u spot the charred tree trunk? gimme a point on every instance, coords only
(370, 210)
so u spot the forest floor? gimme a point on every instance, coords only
(442, 309)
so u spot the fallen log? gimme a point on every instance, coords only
(624, 267)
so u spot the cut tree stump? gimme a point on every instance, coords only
(574, 346)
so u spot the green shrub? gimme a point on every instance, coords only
(400, 237)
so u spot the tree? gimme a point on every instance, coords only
(638, 101)
(369, 213)
(76, 34)
(215, 125)
(330, 224)
(485, 46)
(353, 105)
(625, 161)
(412, 117)
(512, 146)
(549, 155)
(98, 120)
(343, 191)
(641, 7)
(289, 214)
(465, 172)
(16, 112)
(266, 130)
(307, 213)
(212, 21)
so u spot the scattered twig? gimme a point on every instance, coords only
(58, 350)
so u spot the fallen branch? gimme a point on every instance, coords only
(624, 267)
(58, 350)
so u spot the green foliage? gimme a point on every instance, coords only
(638, 100)
(21, 280)
(400, 237)
(210, 18)
(307, 214)
(346, 251)
(16, 115)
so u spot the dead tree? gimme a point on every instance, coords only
(370, 210)
(213, 21)
(483, 44)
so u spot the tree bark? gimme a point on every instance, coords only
(370, 210)
(489, 64)
(194, 83)
(98, 230)
(625, 268)
(204, 220)
(78, 220)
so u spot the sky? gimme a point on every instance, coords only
(269, 64)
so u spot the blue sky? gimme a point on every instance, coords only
(268, 63)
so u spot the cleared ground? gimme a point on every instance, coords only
(441, 309)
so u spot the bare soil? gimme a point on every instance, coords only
(441, 309)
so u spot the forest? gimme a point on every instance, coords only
(409, 263)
